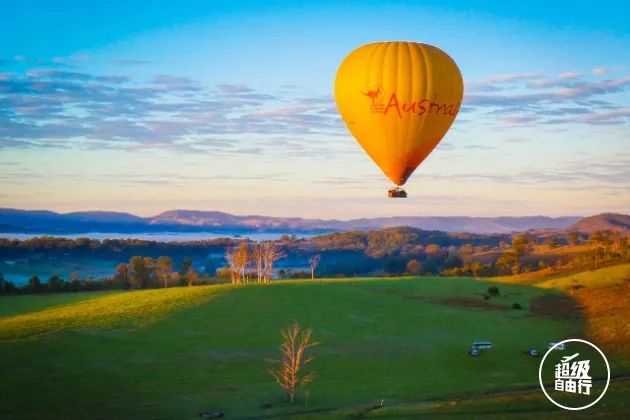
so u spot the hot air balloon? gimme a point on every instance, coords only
(398, 100)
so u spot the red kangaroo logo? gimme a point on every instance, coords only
(373, 94)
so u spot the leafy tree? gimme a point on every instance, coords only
(453, 261)
(432, 249)
(508, 260)
(34, 284)
(55, 283)
(597, 237)
(476, 269)
(413, 267)
(139, 273)
(573, 237)
(149, 263)
(6, 286)
(522, 244)
(121, 276)
(186, 264)
(431, 265)
(552, 241)
(466, 252)
(192, 277)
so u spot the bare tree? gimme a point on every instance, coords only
(313, 262)
(232, 261)
(289, 374)
(257, 257)
(242, 259)
(271, 253)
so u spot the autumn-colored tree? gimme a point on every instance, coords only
(573, 237)
(121, 276)
(289, 373)
(597, 237)
(192, 277)
(432, 249)
(413, 267)
(164, 269)
(313, 262)
(509, 261)
(552, 242)
(466, 252)
(476, 269)
(522, 244)
(176, 278)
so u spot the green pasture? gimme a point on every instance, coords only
(591, 278)
(172, 353)
(18, 304)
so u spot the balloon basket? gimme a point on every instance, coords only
(397, 193)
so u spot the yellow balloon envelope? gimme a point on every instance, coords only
(398, 100)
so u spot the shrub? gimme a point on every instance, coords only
(516, 305)
(493, 290)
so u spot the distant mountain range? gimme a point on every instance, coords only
(41, 221)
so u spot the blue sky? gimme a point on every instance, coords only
(228, 106)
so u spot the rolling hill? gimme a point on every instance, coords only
(606, 221)
(173, 353)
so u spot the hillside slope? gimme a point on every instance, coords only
(606, 221)
(601, 298)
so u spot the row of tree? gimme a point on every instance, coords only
(246, 261)
(146, 272)
(56, 284)
(138, 273)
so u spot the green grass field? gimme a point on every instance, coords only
(176, 352)
(14, 305)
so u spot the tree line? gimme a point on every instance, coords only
(139, 273)
(393, 251)
(244, 263)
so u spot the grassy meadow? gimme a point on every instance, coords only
(173, 353)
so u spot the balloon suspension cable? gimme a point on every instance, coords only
(397, 192)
